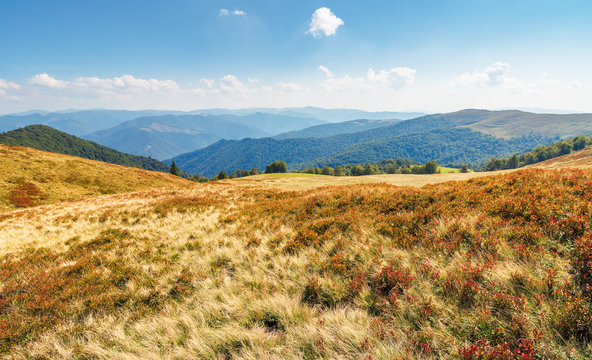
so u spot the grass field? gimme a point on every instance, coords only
(296, 266)
(30, 177)
(489, 267)
(299, 181)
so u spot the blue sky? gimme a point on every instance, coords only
(377, 55)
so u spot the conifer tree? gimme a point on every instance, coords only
(174, 169)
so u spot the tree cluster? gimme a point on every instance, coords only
(222, 175)
(539, 154)
(389, 166)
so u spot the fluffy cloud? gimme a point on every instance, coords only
(125, 82)
(7, 85)
(324, 22)
(396, 78)
(226, 12)
(379, 89)
(494, 75)
(48, 81)
(231, 84)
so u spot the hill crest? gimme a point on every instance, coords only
(30, 177)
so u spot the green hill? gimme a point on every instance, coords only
(441, 137)
(43, 137)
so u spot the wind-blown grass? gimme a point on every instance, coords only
(489, 268)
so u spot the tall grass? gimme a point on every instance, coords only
(490, 268)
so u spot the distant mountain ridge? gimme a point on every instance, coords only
(330, 115)
(76, 123)
(165, 140)
(331, 129)
(165, 136)
(42, 137)
(446, 138)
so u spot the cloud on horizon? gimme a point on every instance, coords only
(493, 75)
(395, 78)
(393, 88)
(7, 85)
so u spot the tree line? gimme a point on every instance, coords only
(406, 166)
(387, 166)
(539, 154)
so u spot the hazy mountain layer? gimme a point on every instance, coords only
(165, 136)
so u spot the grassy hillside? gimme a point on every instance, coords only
(581, 159)
(30, 177)
(539, 154)
(513, 123)
(43, 137)
(489, 268)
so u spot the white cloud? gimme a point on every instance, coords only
(207, 82)
(327, 72)
(226, 12)
(48, 81)
(396, 78)
(324, 22)
(7, 85)
(393, 88)
(289, 87)
(494, 75)
(232, 84)
(125, 83)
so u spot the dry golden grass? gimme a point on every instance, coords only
(277, 269)
(581, 159)
(299, 181)
(62, 177)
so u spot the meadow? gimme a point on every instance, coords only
(30, 177)
(493, 267)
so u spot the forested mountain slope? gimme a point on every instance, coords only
(43, 137)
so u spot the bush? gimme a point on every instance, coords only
(276, 167)
(431, 167)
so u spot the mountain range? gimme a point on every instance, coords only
(163, 134)
(466, 136)
(163, 137)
